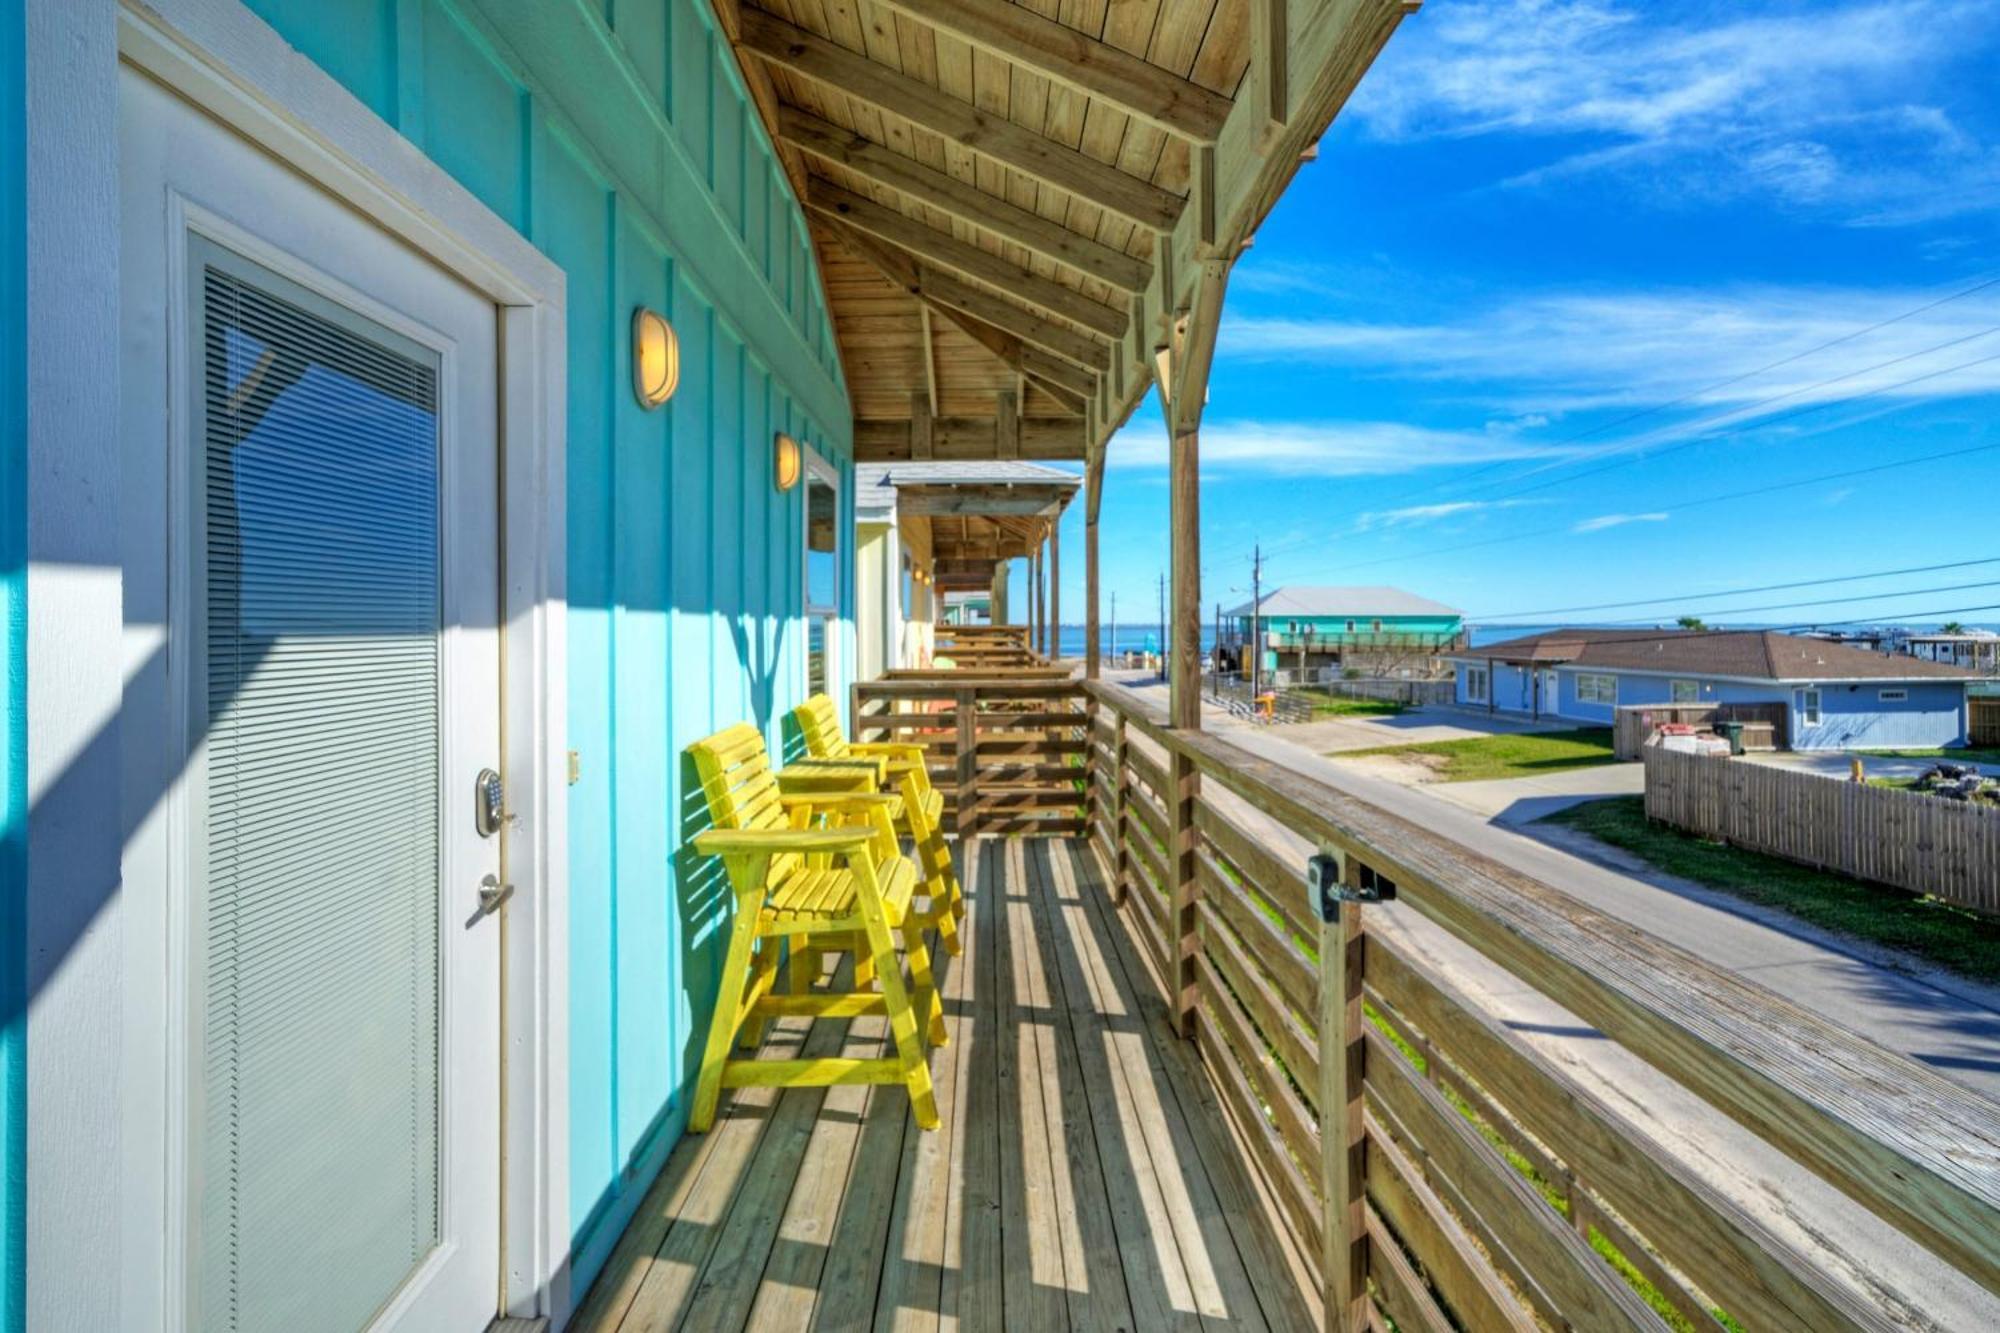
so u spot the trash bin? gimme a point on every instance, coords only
(1733, 733)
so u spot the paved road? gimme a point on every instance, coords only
(1952, 1027)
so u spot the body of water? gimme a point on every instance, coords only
(1131, 638)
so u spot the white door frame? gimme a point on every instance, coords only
(85, 1202)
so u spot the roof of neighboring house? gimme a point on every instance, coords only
(1744, 654)
(1343, 602)
(994, 488)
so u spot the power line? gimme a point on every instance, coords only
(1826, 601)
(1706, 500)
(1705, 389)
(1735, 592)
(1703, 436)
(1767, 421)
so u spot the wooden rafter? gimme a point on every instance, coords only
(1079, 61)
(1046, 439)
(1042, 159)
(930, 357)
(967, 260)
(951, 297)
(948, 194)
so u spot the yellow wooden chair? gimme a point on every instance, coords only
(823, 872)
(923, 806)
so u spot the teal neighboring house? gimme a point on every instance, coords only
(1315, 631)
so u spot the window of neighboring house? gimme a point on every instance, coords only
(822, 572)
(1378, 627)
(1809, 707)
(1596, 688)
(1892, 696)
(1350, 627)
(1475, 685)
(1684, 691)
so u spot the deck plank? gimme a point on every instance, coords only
(1084, 1175)
(910, 1293)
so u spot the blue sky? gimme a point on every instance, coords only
(1510, 341)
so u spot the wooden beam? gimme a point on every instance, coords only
(955, 439)
(813, 57)
(962, 257)
(920, 426)
(962, 200)
(1196, 357)
(1007, 423)
(930, 356)
(1055, 587)
(951, 296)
(1076, 60)
(986, 500)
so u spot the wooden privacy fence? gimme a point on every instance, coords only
(1426, 1157)
(1768, 726)
(1926, 844)
(1007, 753)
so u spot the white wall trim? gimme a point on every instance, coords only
(217, 55)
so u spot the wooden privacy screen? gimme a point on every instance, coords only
(1006, 752)
(1478, 1184)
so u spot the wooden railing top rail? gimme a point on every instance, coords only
(946, 684)
(1902, 1140)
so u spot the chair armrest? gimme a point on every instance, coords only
(843, 802)
(772, 842)
(888, 749)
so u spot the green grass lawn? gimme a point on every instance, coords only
(1522, 756)
(1338, 705)
(1935, 931)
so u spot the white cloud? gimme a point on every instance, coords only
(1809, 107)
(1603, 521)
(1324, 448)
(1541, 356)
(1431, 513)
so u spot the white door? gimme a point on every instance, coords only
(311, 548)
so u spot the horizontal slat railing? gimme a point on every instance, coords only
(1009, 755)
(1486, 1187)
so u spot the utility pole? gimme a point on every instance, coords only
(1114, 624)
(1256, 606)
(1163, 624)
(1216, 655)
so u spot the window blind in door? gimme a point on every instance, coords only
(317, 1162)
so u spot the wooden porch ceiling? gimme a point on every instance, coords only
(1015, 205)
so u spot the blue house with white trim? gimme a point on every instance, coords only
(1836, 697)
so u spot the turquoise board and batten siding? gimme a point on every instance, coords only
(626, 149)
(13, 670)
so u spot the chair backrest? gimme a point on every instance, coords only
(819, 724)
(742, 792)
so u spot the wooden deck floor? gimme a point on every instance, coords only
(1084, 1176)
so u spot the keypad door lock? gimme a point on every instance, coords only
(1326, 880)
(489, 802)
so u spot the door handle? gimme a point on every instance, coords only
(492, 893)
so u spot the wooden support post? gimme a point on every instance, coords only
(1055, 589)
(1184, 687)
(1093, 496)
(968, 767)
(1343, 1144)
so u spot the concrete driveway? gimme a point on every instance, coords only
(1834, 763)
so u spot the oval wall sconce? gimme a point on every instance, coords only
(786, 461)
(656, 358)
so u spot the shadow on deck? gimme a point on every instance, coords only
(1084, 1176)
